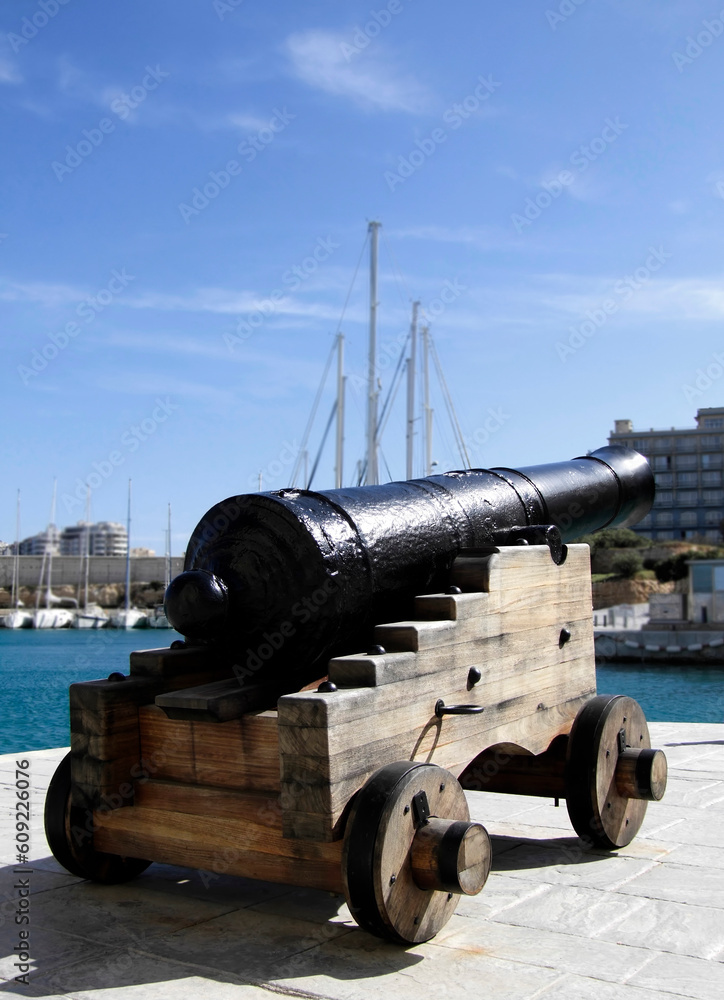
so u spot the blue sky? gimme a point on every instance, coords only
(557, 167)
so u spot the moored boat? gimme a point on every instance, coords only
(17, 618)
(91, 616)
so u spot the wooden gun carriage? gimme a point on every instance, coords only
(355, 783)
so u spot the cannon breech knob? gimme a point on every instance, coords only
(197, 604)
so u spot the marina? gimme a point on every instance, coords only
(36, 669)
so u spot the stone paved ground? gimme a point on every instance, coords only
(552, 922)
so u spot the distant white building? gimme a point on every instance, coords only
(44, 541)
(105, 538)
(688, 466)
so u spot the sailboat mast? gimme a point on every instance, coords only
(372, 469)
(15, 596)
(128, 551)
(49, 544)
(338, 465)
(168, 549)
(87, 547)
(427, 410)
(411, 373)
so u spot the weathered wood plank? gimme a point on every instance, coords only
(442, 672)
(241, 753)
(218, 701)
(248, 843)
(167, 662)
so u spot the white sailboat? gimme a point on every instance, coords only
(129, 617)
(90, 615)
(18, 617)
(49, 617)
(159, 619)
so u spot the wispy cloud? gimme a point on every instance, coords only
(43, 293)
(9, 72)
(372, 80)
(229, 302)
(220, 301)
(481, 237)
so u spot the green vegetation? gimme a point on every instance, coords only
(674, 567)
(627, 565)
(615, 538)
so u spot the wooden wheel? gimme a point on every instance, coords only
(611, 771)
(70, 840)
(410, 850)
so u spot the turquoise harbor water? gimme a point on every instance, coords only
(36, 668)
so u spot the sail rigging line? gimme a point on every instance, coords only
(312, 415)
(392, 391)
(387, 408)
(352, 283)
(384, 459)
(455, 423)
(397, 271)
(332, 415)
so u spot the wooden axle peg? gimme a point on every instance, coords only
(451, 856)
(641, 774)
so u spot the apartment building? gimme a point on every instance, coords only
(105, 538)
(687, 464)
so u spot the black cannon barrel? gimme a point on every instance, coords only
(288, 578)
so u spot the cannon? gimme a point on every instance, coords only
(293, 577)
(353, 661)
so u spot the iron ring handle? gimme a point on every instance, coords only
(442, 709)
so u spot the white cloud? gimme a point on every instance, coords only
(229, 302)
(9, 72)
(43, 293)
(482, 237)
(248, 122)
(318, 59)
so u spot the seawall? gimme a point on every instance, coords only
(103, 569)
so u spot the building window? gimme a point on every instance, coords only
(665, 536)
(660, 444)
(712, 517)
(687, 443)
(687, 519)
(713, 496)
(701, 579)
(645, 523)
(688, 497)
(664, 479)
(686, 462)
(686, 479)
(711, 461)
(664, 519)
(711, 478)
(663, 497)
(662, 462)
(713, 423)
(711, 441)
